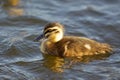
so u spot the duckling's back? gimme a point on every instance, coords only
(71, 46)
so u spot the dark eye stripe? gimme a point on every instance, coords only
(49, 30)
(47, 35)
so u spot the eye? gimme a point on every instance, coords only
(49, 30)
(56, 31)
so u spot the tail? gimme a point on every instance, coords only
(104, 48)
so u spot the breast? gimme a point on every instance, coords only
(42, 46)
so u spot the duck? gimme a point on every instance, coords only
(55, 43)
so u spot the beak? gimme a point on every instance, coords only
(39, 37)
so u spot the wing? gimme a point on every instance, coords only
(79, 46)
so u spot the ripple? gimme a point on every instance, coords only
(20, 57)
(22, 20)
(87, 10)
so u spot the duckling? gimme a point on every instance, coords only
(55, 43)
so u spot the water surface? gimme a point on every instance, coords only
(21, 22)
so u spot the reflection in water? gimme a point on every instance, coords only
(58, 64)
(11, 3)
(54, 63)
(87, 59)
(12, 7)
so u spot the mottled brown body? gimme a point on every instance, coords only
(71, 46)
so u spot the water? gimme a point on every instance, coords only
(20, 23)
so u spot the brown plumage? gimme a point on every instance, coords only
(54, 43)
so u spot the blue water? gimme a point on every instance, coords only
(20, 57)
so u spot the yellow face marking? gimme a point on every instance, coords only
(54, 37)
